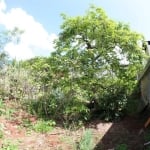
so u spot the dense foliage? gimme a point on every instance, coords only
(96, 61)
(92, 72)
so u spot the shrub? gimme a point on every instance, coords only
(60, 107)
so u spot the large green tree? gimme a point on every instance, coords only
(97, 60)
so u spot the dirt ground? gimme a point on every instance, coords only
(106, 136)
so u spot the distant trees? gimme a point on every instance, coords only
(6, 64)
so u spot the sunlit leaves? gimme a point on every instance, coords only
(100, 54)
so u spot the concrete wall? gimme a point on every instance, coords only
(144, 81)
(145, 87)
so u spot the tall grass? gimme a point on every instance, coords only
(86, 142)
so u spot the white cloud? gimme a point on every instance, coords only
(19, 51)
(2, 5)
(34, 41)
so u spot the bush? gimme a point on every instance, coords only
(58, 108)
(111, 102)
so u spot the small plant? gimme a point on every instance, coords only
(44, 126)
(8, 113)
(26, 123)
(2, 109)
(7, 145)
(1, 134)
(1, 131)
(86, 142)
(147, 136)
(69, 141)
(121, 147)
(147, 139)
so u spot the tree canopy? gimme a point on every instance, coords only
(99, 58)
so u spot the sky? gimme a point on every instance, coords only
(40, 20)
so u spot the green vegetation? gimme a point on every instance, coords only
(92, 72)
(147, 139)
(122, 147)
(2, 108)
(1, 132)
(44, 126)
(3, 111)
(86, 142)
(147, 136)
(7, 145)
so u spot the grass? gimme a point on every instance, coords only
(2, 107)
(86, 142)
(1, 134)
(69, 141)
(70, 135)
(121, 147)
(1, 130)
(147, 139)
(147, 135)
(8, 145)
(44, 126)
(5, 111)
(27, 123)
(40, 126)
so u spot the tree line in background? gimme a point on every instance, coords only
(92, 72)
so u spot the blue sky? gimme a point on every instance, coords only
(41, 20)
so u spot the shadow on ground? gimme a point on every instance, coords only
(122, 133)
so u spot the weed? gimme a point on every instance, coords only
(72, 125)
(44, 126)
(147, 139)
(147, 136)
(26, 123)
(121, 147)
(7, 145)
(148, 148)
(1, 131)
(1, 134)
(9, 112)
(69, 141)
(86, 142)
(2, 109)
